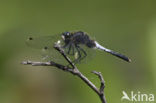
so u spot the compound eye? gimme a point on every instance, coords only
(67, 33)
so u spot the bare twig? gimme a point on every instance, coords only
(74, 71)
(101, 90)
(57, 47)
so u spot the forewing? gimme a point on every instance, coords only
(42, 42)
(45, 44)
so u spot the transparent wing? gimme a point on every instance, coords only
(42, 42)
(45, 44)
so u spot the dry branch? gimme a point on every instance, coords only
(73, 70)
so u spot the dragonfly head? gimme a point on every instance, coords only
(66, 35)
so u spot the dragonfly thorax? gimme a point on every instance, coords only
(78, 38)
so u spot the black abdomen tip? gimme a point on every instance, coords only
(120, 56)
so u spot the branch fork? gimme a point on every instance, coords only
(73, 70)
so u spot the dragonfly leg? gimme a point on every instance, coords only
(69, 49)
(79, 55)
(85, 54)
(73, 50)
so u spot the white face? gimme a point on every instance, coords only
(63, 37)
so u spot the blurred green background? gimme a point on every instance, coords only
(126, 26)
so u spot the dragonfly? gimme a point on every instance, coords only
(74, 44)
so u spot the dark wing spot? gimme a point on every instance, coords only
(30, 38)
(45, 48)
